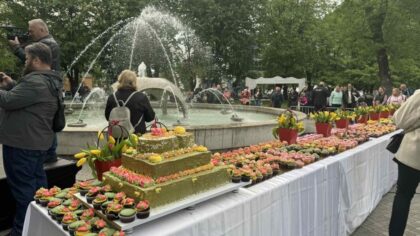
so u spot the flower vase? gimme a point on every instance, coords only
(288, 135)
(104, 166)
(391, 112)
(342, 123)
(374, 115)
(384, 114)
(324, 129)
(362, 119)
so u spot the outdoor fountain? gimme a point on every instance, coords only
(248, 124)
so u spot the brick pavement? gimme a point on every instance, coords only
(377, 222)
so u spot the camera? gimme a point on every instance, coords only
(12, 32)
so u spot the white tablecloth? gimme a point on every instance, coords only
(330, 197)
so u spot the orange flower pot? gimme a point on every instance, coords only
(384, 114)
(342, 124)
(104, 166)
(324, 129)
(288, 135)
(362, 119)
(374, 116)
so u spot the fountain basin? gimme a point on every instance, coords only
(217, 136)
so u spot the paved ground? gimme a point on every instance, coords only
(377, 223)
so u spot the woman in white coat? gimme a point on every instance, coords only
(408, 159)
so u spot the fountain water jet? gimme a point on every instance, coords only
(79, 122)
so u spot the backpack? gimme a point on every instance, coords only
(119, 124)
(59, 120)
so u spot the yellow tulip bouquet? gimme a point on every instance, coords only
(324, 117)
(107, 149)
(287, 127)
(345, 115)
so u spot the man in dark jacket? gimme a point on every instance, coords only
(26, 127)
(39, 32)
(319, 97)
(276, 98)
(350, 96)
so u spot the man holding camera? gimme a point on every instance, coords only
(26, 127)
(38, 32)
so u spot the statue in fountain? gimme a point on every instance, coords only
(142, 70)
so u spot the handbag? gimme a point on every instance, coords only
(395, 142)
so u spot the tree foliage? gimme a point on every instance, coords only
(366, 42)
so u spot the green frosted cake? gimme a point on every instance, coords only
(167, 168)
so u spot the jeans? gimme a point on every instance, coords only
(25, 174)
(51, 153)
(257, 102)
(408, 179)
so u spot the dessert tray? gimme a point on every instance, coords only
(156, 213)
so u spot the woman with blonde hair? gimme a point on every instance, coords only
(139, 105)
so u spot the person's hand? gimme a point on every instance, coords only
(14, 43)
(5, 81)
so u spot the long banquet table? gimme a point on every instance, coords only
(329, 197)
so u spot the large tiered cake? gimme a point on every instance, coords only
(168, 167)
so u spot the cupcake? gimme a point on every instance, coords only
(276, 169)
(128, 203)
(246, 176)
(78, 212)
(56, 210)
(110, 195)
(106, 188)
(143, 209)
(60, 213)
(45, 198)
(127, 215)
(67, 202)
(260, 176)
(119, 197)
(83, 230)
(68, 218)
(99, 199)
(98, 225)
(87, 214)
(54, 202)
(106, 232)
(61, 195)
(54, 190)
(73, 226)
(118, 233)
(83, 187)
(75, 204)
(104, 206)
(236, 176)
(39, 193)
(112, 211)
(91, 194)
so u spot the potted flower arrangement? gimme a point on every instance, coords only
(392, 108)
(323, 122)
(343, 118)
(107, 152)
(375, 112)
(361, 114)
(384, 112)
(288, 127)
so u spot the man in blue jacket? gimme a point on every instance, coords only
(26, 127)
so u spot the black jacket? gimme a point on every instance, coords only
(352, 102)
(139, 105)
(52, 44)
(319, 96)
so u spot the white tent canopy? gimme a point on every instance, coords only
(252, 83)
